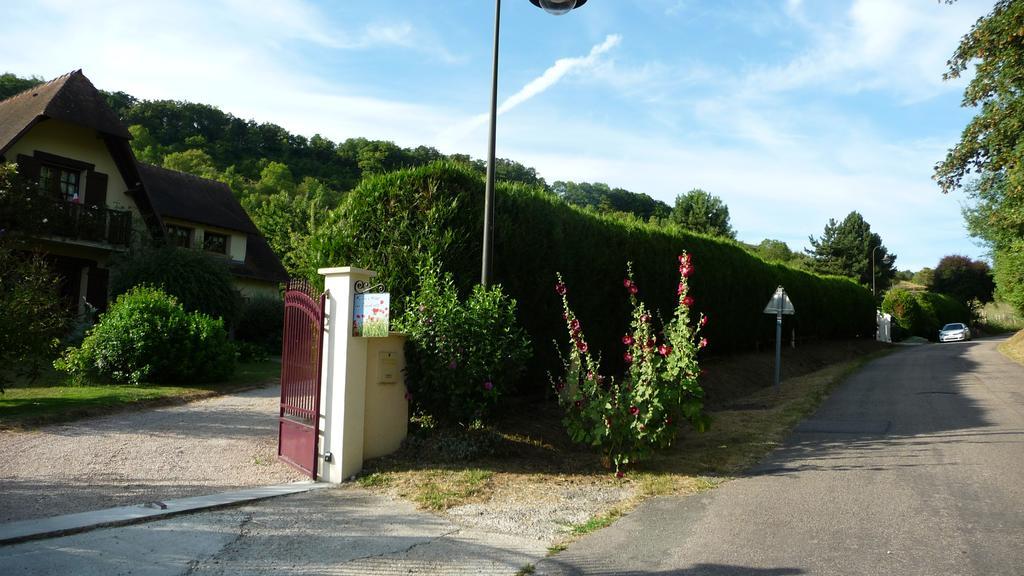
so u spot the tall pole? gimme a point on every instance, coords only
(778, 345)
(485, 273)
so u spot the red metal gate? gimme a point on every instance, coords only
(301, 350)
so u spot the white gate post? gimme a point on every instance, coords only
(344, 388)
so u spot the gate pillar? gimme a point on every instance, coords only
(344, 390)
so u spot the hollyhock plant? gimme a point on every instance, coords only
(631, 414)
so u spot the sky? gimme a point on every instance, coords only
(791, 111)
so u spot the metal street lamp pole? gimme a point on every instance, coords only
(552, 7)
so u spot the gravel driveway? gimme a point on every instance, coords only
(209, 446)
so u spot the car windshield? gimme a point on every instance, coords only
(953, 327)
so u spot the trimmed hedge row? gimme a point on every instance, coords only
(390, 222)
(924, 313)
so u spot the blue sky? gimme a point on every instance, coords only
(793, 112)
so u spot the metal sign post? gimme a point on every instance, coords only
(779, 304)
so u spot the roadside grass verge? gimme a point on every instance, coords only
(1000, 317)
(1014, 347)
(528, 452)
(50, 400)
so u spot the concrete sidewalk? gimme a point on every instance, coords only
(338, 531)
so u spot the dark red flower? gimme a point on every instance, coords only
(628, 358)
(627, 340)
(565, 316)
(579, 403)
(664, 349)
(619, 474)
(634, 410)
(582, 346)
(627, 283)
(633, 289)
(559, 386)
(561, 289)
(686, 271)
(650, 344)
(688, 301)
(703, 343)
(645, 318)
(488, 385)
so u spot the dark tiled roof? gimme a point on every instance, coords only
(71, 98)
(187, 197)
(260, 262)
(194, 199)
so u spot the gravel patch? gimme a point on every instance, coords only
(213, 445)
(539, 511)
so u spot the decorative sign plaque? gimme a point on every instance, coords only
(371, 315)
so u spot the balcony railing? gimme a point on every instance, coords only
(90, 223)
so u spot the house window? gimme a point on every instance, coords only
(64, 182)
(216, 243)
(179, 236)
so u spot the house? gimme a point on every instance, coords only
(106, 204)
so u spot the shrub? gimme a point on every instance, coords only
(32, 317)
(628, 417)
(461, 356)
(261, 322)
(437, 210)
(146, 336)
(923, 313)
(199, 282)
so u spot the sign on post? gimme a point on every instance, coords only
(371, 314)
(779, 304)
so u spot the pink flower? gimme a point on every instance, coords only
(628, 358)
(488, 385)
(681, 289)
(703, 343)
(634, 410)
(627, 283)
(688, 301)
(565, 316)
(686, 271)
(645, 318)
(574, 325)
(664, 349)
(627, 340)
(703, 320)
(633, 289)
(582, 346)
(684, 258)
(561, 289)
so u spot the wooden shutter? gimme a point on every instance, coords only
(28, 167)
(96, 189)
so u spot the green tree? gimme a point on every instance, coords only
(845, 249)
(698, 211)
(925, 276)
(193, 161)
(11, 84)
(964, 279)
(991, 143)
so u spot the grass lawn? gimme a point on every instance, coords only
(49, 400)
(521, 454)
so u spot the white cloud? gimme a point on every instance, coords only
(456, 134)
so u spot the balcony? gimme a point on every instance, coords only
(75, 221)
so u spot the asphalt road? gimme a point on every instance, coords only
(914, 466)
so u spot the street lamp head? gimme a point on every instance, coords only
(558, 7)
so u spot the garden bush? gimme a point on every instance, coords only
(32, 316)
(923, 313)
(631, 415)
(261, 322)
(386, 222)
(146, 336)
(462, 356)
(199, 282)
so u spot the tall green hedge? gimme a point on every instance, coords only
(924, 313)
(389, 222)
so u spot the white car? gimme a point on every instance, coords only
(954, 332)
